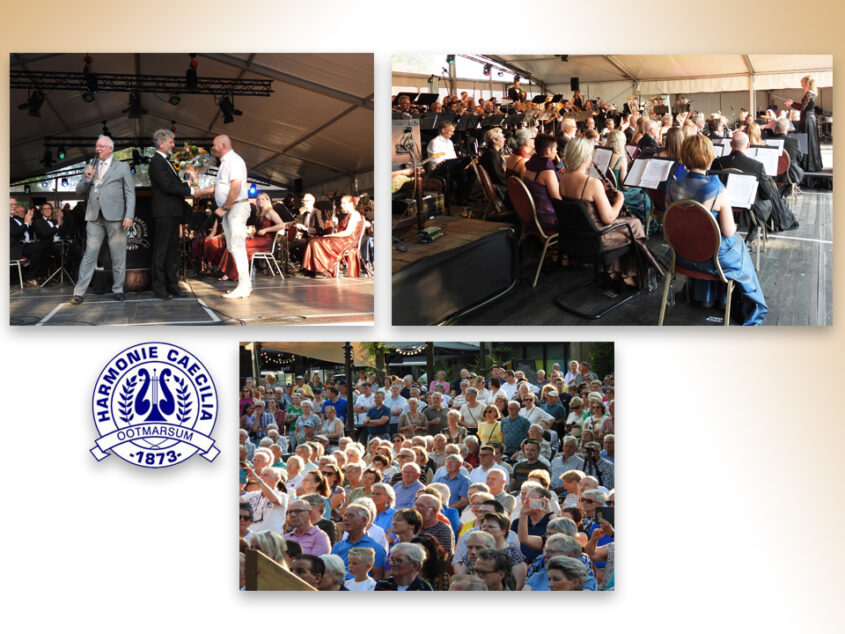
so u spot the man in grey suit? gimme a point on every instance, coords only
(110, 213)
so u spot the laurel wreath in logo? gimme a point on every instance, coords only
(183, 400)
(124, 400)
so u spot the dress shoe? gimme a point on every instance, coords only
(175, 291)
(120, 297)
(76, 300)
(163, 295)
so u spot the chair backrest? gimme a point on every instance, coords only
(658, 199)
(578, 234)
(487, 186)
(783, 164)
(692, 231)
(523, 202)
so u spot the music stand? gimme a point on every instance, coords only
(661, 110)
(539, 99)
(427, 98)
(493, 121)
(61, 271)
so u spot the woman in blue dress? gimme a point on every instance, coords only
(697, 155)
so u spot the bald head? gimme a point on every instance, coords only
(222, 144)
(739, 141)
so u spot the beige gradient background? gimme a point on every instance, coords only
(730, 452)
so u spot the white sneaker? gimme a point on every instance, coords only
(238, 293)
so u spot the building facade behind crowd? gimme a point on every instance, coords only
(463, 482)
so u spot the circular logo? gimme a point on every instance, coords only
(155, 405)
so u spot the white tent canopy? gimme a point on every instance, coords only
(317, 124)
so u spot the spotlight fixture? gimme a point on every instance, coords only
(227, 107)
(87, 96)
(90, 74)
(132, 169)
(106, 131)
(500, 73)
(134, 111)
(487, 68)
(450, 59)
(47, 161)
(253, 191)
(64, 182)
(33, 103)
(27, 189)
(173, 126)
(191, 80)
(60, 153)
(174, 99)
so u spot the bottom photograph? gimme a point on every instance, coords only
(448, 466)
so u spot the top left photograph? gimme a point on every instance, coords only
(159, 189)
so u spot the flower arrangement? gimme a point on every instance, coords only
(191, 159)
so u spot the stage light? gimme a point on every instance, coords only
(501, 73)
(191, 80)
(227, 107)
(106, 131)
(27, 189)
(33, 103)
(132, 169)
(174, 99)
(487, 68)
(47, 161)
(87, 96)
(90, 74)
(61, 154)
(450, 59)
(253, 191)
(64, 182)
(134, 111)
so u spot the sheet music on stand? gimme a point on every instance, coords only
(718, 150)
(649, 173)
(778, 143)
(602, 158)
(768, 156)
(742, 190)
(632, 150)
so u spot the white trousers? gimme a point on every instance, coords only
(234, 228)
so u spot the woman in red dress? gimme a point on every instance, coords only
(322, 254)
(269, 223)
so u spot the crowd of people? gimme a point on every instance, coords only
(485, 482)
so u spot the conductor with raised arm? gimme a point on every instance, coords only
(109, 214)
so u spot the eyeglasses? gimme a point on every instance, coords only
(294, 511)
(247, 518)
(478, 571)
(328, 474)
(396, 561)
(587, 501)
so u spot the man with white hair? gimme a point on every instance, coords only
(428, 507)
(231, 196)
(648, 143)
(457, 482)
(356, 519)
(406, 561)
(109, 214)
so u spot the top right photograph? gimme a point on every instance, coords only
(624, 190)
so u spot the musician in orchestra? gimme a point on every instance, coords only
(403, 107)
(576, 184)
(790, 146)
(493, 161)
(609, 126)
(697, 155)
(542, 180)
(522, 144)
(437, 107)
(577, 103)
(807, 107)
(24, 244)
(445, 163)
(268, 223)
(515, 93)
(637, 202)
(568, 129)
(698, 120)
(648, 143)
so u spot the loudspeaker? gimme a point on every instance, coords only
(297, 186)
(574, 83)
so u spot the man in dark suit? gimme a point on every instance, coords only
(168, 201)
(768, 203)
(515, 93)
(22, 243)
(648, 144)
(790, 146)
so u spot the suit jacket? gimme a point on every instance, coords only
(648, 146)
(17, 230)
(765, 192)
(790, 145)
(168, 190)
(42, 229)
(115, 197)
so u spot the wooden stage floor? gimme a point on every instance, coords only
(795, 273)
(274, 302)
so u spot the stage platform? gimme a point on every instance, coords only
(796, 273)
(274, 302)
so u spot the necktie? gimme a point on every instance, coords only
(101, 171)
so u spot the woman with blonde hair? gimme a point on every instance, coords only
(637, 202)
(807, 108)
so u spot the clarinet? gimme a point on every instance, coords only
(608, 184)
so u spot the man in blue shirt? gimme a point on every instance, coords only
(397, 404)
(356, 519)
(337, 402)
(406, 489)
(377, 420)
(514, 429)
(457, 482)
